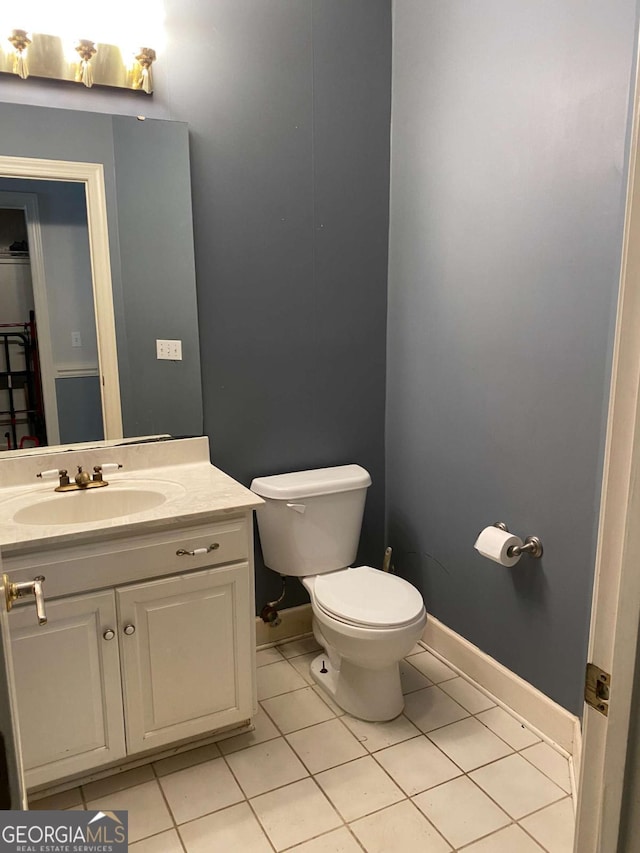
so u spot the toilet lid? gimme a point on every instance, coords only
(368, 597)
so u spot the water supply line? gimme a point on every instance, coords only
(269, 612)
(386, 560)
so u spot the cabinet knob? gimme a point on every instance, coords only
(109, 634)
(129, 630)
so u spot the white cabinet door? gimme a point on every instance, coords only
(185, 645)
(67, 677)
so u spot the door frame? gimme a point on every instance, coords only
(615, 615)
(92, 176)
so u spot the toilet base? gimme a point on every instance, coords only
(374, 695)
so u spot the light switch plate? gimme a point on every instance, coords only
(169, 350)
(76, 339)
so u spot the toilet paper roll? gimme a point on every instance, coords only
(494, 544)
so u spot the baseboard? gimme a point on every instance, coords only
(576, 757)
(552, 720)
(295, 621)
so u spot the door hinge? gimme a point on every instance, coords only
(596, 688)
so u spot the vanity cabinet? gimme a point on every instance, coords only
(123, 670)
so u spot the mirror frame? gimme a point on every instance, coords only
(92, 176)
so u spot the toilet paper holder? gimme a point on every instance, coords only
(532, 544)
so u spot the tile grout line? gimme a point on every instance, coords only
(170, 810)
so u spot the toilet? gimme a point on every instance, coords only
(366, 620)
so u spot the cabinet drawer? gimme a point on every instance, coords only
(109, 563)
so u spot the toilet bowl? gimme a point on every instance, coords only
(366, 620)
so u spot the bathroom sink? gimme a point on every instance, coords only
(91, 505)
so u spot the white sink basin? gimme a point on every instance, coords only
(90, 505)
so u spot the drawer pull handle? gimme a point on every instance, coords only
(181, 552)
(109, 634)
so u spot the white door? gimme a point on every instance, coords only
(13, 792)
(616, 601)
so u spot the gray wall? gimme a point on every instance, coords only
(79, 409)
(507, 190)
(288, 106)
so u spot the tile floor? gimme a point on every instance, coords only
(454, 772)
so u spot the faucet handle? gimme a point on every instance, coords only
(51, 474)
(107, 466)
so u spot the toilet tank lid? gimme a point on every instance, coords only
(307, 484)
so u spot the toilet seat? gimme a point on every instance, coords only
(368, 598)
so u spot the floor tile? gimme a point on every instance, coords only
(148, 812)
(399, 829)
(461, 811)
(432, 667)
(325, 745)
(165, 842)
(295, 814)
(186, 759)
(470, 744)
(416, 650)
(512, 839)
(277, 678)
(297, 710)
(264, 730)
(198, 790)
(517, 786)
(374, 736)
(303, 646)
(552, 763)
(301, 663)
(233, 830)
(412, 679)
(467, 695)
(265, 766)
(266, 656)
(553, 827)
(337, 841)
(430, 709)
(359, 788)
(337, 710)
(63, 800)
(118, 782)
(508, 728)
(417, 765)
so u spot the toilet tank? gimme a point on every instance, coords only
(310, 521)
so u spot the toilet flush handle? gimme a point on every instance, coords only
(297, 507)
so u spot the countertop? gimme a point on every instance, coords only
(195, 491)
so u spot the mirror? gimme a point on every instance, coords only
(141, 255)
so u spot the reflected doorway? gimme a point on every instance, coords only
(49, 373)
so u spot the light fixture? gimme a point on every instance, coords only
(54, 37)
(86, 50)
(145, 59)
(20, 41)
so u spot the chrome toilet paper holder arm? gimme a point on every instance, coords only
(532, 544)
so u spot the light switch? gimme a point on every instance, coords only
(169, 350)
(76, 339)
